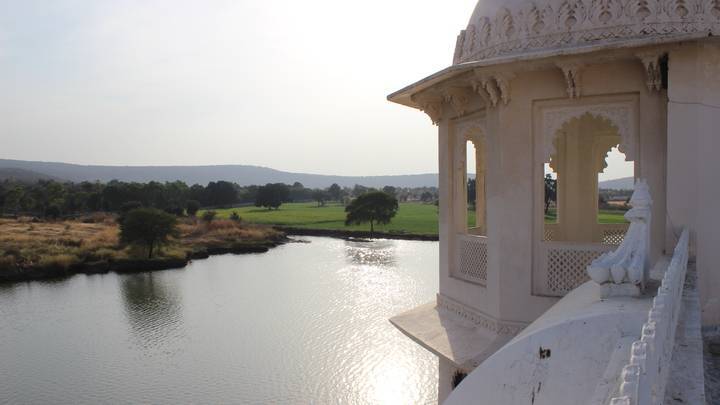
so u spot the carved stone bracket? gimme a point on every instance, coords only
(625, 270)
(432, 105)
(621, 115)
(573, 76)
(494, 86)
(653, 74)
(458, 97)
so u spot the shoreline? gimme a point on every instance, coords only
(137, 265)
(343, 234)
(130, 266)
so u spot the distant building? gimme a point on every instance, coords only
(558, 83)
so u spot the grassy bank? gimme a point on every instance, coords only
(412, 218)
(30, 250)
(604, 216)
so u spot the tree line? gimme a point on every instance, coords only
(55, 199)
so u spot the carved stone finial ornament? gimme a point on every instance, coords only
(503, 28)
(625, 270)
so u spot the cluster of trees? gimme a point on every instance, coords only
(55, 199)
(152, 228)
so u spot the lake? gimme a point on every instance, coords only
(306, 323)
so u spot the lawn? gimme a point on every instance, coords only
(604, 217)
(413, 218)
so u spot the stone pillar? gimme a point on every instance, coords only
(693, 142)
(581, 150)
(446, 208)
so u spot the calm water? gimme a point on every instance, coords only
(302, 324)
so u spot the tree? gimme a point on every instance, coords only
(427, 196)
(550, 191)
(149, 227)
(192, 207)
(221, 193)
(374, 207)
(471, 191)
(272, 195)
(52, 211)
(390, 190)
(320, 196)
(335, 192)
(359, 190)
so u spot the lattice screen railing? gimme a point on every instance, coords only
(472, 260)
(562, 267)
(607, 234)
(613, 234)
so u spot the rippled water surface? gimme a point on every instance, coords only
(302, 324)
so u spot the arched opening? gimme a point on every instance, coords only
(475, 186)
(615, 187)
(585, 152)
(469, 212)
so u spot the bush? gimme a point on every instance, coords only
(209, 216)
(235, 217)
(177, 211)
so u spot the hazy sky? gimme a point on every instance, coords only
(293, 85)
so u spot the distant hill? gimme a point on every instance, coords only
(29, 171)
(625, 183)
(22, 175)
(243, 175)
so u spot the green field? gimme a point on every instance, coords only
(604, 217)
(412, 218)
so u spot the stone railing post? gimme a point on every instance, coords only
(625, 271)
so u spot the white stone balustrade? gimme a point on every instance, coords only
(644, 379)
(472, 259)
(625, 270)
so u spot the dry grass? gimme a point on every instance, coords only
(222, 232)
(62, 244)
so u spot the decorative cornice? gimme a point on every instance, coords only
(480, 320)
(561, 24)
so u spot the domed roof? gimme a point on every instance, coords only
(512, 27)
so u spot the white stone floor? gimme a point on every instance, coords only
(711, 337)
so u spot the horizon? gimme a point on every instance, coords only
(295, 87)
(603, 179)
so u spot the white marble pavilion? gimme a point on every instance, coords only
(575, 311)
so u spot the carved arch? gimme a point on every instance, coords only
(622, 116)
